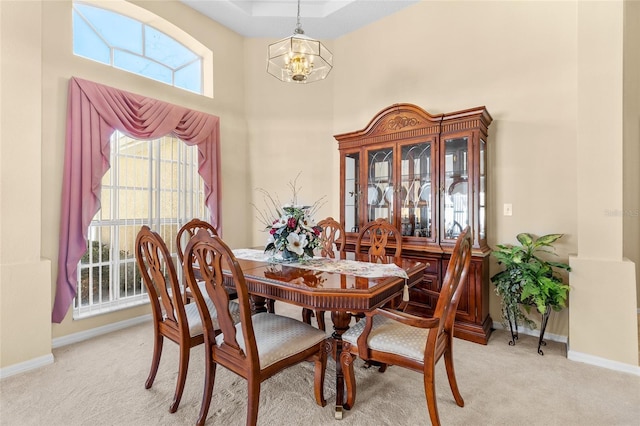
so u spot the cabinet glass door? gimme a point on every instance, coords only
(416, 202)
(380, 185)
(352, 191)
(455, 191)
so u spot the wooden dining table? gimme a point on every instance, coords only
(341, 293)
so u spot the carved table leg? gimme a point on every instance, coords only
(341, 322)
(258, 304)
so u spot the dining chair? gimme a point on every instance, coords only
(379, 242)
(183, 236)
(259, 346)
(172, 319)
(397, 338)
(332, 243)
(332, 238)
(187, 231)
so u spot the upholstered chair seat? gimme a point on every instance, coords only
(193, 316)
(278, 337)
(391, 336)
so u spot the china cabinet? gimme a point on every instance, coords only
(427, 175)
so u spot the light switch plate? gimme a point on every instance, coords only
(508, 209)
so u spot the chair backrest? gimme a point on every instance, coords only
(457, 272)
(211, 257)
(383, 240)
(332, 238)
(160, 278)
(187, 231)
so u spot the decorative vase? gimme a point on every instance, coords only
(289, 256)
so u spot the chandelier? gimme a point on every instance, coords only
(299, 59)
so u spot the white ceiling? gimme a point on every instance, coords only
(326, 19)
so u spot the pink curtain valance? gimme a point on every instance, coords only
(94, 111)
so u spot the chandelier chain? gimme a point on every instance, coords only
(298, 29)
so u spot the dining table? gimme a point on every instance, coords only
(343, 287)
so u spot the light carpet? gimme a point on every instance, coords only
(101, 382)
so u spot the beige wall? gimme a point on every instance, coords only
(631, 149)
(604, 301)
(25, 286)
(442, 56)
(289, 133)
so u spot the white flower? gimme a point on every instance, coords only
(270, 239)
(280, 222)
(307, 223)
(296, 243)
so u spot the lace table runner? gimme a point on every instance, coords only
(341, 266)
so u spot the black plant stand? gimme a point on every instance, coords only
(513, 327)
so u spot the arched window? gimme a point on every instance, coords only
(119, 37)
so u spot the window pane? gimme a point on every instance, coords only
(169, 175)
(170, 148)
(108, 278)
(164, 49)
(118, 30)
(189, 77)
(168, 204)
(105, 204)
(142, 66)
(134, 172)
(86, 43)
(169, 233)
(133, 204)
(130, 284)
(124, 42)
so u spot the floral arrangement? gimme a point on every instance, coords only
(292, 231)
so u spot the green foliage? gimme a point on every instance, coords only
(99, 252)
(128, 275)
(528, 279)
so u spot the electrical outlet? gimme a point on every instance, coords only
(508, 209)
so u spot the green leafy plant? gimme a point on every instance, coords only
(529, 280)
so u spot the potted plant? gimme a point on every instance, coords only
(529, 280)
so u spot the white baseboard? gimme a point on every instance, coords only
(603, 362)
(578, 356)
(536, 333)
(32, 364)
(98, 331)
(21, 367)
